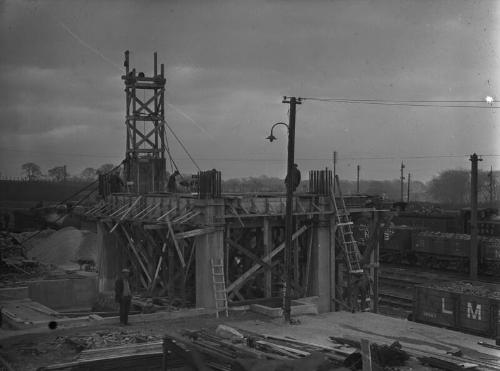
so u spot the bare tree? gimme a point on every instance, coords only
(88, 173)
(106, 168)
(31, 170)
(451, 187)
(58, 173)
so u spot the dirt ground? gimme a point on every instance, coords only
(28, 350)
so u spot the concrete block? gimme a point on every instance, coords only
(12, 293)
(65, 293)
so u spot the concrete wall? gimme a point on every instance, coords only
(323, 254)
(209, 246)
(64, 294)
(109, 258)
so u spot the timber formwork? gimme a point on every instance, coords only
(168, 241)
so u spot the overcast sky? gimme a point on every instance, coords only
(228, 64)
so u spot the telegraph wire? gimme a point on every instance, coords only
(406, 103)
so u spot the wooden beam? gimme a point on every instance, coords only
(193, 233)
(267, 250)
(160, 260)
(179, 253)
(366, 355)
(248, 253)
(155, 226)
(188, 216)
(228, 216)
(241, 280)
(191, 254)
(166, 214)
(308, 265)
(131, 244)
(126, 213)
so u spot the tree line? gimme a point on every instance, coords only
(450, 187)
(32, 172)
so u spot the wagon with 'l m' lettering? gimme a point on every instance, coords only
(466, 306)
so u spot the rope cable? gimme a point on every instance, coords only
(182, 145)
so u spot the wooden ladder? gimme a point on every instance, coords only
(344, 223)
(220, 292)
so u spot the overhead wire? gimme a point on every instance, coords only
(182, 145)
(404, 103)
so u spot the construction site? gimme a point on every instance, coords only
(235, 281)
(145, 264)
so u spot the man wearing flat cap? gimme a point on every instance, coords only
(123, 295)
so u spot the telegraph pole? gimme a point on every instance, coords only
(402, 181)
(289, 202)
(492, 185)
(408, 195)
(334, 169)
(357, 181)
(473, 219)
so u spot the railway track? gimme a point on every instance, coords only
(396, 284)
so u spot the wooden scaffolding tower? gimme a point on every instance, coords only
(145, 123)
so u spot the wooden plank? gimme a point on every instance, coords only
(193, 233)
(191, 254)
(179, 253)
(150, 210)
(126, 213)
(366, 355)
(237, 283)
(166, 214)
(267, 249)
(308, 265)
(154, 226)
(131, 244)
(229, 216)
(160, 260)
(187, 217)
(248, 253)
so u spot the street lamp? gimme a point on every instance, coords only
(271, 137)
(289, 199)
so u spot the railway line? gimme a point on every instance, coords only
(396, 285)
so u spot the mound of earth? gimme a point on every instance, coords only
(65, 247)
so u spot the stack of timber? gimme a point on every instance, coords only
(145, 356)
(229, 349)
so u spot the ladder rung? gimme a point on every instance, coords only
(343, 224)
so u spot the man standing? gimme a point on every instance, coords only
(123, 295)
(295, 177)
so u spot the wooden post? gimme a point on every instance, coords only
(473, 219)
(268, 246)
(366, 355)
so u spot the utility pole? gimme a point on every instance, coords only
(473, 219)
(408, 195)
(357, 180)
(289, 202)
(492, 185)
(334, 169)
(402, 181)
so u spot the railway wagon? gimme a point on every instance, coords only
(450, 251)
(471, 307)
(441, 250)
